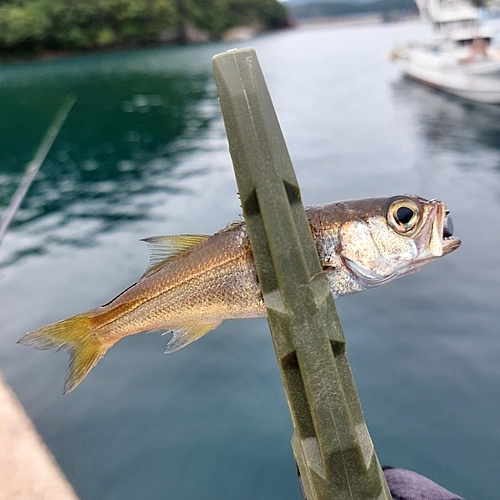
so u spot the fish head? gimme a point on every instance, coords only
(385, 238)
(395, 236)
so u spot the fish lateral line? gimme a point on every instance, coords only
(116, 316)
(192, 277)
(164, 250)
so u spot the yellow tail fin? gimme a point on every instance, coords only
(75, 335)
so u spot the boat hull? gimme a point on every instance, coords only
(474, 81)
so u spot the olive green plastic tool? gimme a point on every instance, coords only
(331, 443)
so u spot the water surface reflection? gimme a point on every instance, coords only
(451, 124)
(122, 144)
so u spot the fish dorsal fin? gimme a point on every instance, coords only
(165, 249)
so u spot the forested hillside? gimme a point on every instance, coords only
(37, 25)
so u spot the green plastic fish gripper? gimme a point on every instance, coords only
(331, 443)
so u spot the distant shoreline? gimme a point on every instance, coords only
(347, 20)
(20, 56)
(193, 37)
(242, 33)
(49, 55)
(350, 20)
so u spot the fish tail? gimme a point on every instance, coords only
(76, 335)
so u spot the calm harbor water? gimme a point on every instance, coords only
(144, 153)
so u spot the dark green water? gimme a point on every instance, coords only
(144, 153)
(130, 112)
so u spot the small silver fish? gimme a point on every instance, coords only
(195, 282)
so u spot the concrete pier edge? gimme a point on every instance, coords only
(28, 471)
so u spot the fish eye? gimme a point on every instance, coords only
(403, 216)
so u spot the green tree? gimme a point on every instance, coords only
(89, 24)
(25, 25)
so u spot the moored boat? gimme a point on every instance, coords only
(460, 57)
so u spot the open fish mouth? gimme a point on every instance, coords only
(450, 242)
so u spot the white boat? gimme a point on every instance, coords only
(459, 58)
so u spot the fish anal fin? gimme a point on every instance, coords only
(165, 249)
(185, 334)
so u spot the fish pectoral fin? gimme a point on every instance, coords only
(165, 249)
(184, 335)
